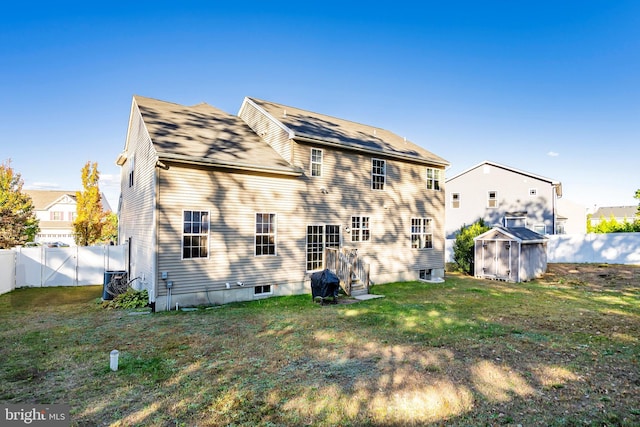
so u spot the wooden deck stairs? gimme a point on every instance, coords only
(350, 269)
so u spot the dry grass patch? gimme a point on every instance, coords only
(562, 350)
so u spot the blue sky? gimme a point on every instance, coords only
(552, 88)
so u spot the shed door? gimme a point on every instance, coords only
(489, 257)
(503, 259)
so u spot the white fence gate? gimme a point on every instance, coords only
(69, 266)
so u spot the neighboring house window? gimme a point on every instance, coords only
(455, 200)
(262, 290)
(533, 192)
(360, 231)
(56, 215)
(560, 227)
(131, 170)
(265, 234)
(316, 162)
(378, 174)
(72, 216)
(433, 179)
(195, 234)
(540, 228)
(320, 237)
(421, 233)
(492, 200)
(515, 221)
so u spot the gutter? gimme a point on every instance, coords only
(179, 158)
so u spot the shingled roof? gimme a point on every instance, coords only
(203, 134)
(42, 199)
(323, 129)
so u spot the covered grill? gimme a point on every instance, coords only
(325, 284)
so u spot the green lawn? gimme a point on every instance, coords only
(563, 350)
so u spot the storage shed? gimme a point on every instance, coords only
(514, 254)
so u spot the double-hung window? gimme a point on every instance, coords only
(132, 165)
(455, 200)
(195, 234)
(492, 199)
(316, 162)
(265, 234)
(378, 174)
(360, 231)
(433, 179)
(421, 233)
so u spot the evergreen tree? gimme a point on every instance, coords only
(90, 216)
(463, 247)
(18, 222)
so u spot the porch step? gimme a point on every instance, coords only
(357, 289)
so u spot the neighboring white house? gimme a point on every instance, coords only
(56, 211)
(509, 197)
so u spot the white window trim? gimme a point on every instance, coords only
(507, 218)
(275, 234)
(544, 226)
(324, 242)
(453, 200)
(262, 294)
(321, 162)
(132, 169)
(383, 175)
(361, 229)
(436, 176)
(489, 199)
(208, 234)
(430, 270)
(426, 219)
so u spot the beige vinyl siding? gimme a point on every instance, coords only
(136, 210)
(233, 199)
(267, 129)
(346, 180)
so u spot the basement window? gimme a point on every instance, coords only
(262, 290)
(424, 274)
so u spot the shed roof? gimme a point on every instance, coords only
(324, 129)
(520, 234)
(203, 134)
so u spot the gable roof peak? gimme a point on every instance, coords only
(509, 168)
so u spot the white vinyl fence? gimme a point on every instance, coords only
(609, 248)
(69, 266)
(7, 271)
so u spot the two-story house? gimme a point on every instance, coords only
(219, 208)
(509, 197)
(56, 211)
